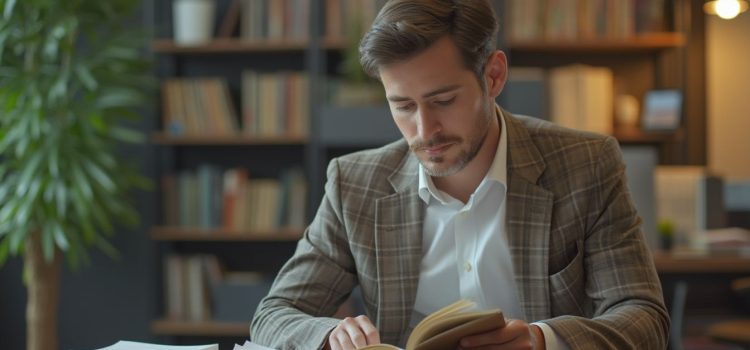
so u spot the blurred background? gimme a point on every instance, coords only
(252, 98)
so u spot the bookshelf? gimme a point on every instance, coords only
(167, 327)
(178, 234)
(640, 62)
(658, 50)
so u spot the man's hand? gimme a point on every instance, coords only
(516, 334)
(352, 333)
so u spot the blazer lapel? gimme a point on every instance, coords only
(398, 241)
(528, 216)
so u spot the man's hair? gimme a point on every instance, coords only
(404, 28)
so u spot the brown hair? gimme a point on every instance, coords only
(404, 28)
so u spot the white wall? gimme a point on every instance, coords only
(728, 95)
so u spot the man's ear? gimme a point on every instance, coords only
(496, 73)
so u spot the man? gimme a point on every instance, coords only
(475, 203)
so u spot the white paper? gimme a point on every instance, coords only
(250, 346)
(131, 345)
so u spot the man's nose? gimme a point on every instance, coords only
(427, 124)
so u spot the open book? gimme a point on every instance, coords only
(443, 329)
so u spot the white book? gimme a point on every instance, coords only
(131, 345)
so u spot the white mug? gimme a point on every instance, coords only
(193, 21)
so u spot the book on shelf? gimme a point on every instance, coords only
(199, 288)
(346, 17)
(275, 103)
(198, 106)
(275, 20)
(444, 328)
(213, 198)
(573, 19)
(131, 345)
(581, 97)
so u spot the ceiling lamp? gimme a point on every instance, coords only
(726, 9)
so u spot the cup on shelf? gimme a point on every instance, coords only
(193, 21)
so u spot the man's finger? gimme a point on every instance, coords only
(371, 333)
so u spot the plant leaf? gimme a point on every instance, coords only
(84, 75)
(108, 249)
(100, 176)
(60, 238)
(119, 97)
(127, 135)
(48, 245)
(4, 249)
(8, 11)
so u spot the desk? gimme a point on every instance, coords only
(669, 263)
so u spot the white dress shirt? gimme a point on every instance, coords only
(465, 251)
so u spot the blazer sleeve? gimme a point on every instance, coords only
(312, 284)
(628, 309)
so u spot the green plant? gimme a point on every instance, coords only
(71, 73)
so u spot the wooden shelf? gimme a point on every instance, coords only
(203, 328)
(637, 136)
(640, 43)
(199, 140)
(700, 263)
(161, 233)
(233, 45)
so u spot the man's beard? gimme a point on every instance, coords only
(464, 157)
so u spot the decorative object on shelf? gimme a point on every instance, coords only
(726, 9)
(662, 110)
(72, 72)
(193, 21)
(626, 111)
(666, 234)
(356, 88)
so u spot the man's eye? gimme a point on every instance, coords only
(446, 102)
(404, 108)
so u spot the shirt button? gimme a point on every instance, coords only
(467, 266)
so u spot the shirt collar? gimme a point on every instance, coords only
(498, 170)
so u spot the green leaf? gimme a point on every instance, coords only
(60, 238)
(127, 135)
(4, 249)
(28, 174)
(84, 75)
(119, 97)
(61, 198)
(48, 246)
(100, 176)
(54, 166)
(8, 11)
(108, 249)
(81, 183)
(17, 237)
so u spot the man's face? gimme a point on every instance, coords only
(439, 106)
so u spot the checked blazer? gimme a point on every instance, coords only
(579, 257)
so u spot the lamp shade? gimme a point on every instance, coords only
(726, 9)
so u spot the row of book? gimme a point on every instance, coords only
(346, 18)
(275, 103)
(575, 96)
(272, 104)
(275, 20)
(198, 106)
(197, 288)
(212, 198)
(576, 19)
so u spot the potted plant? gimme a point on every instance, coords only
(70, 74)
(355, 87)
